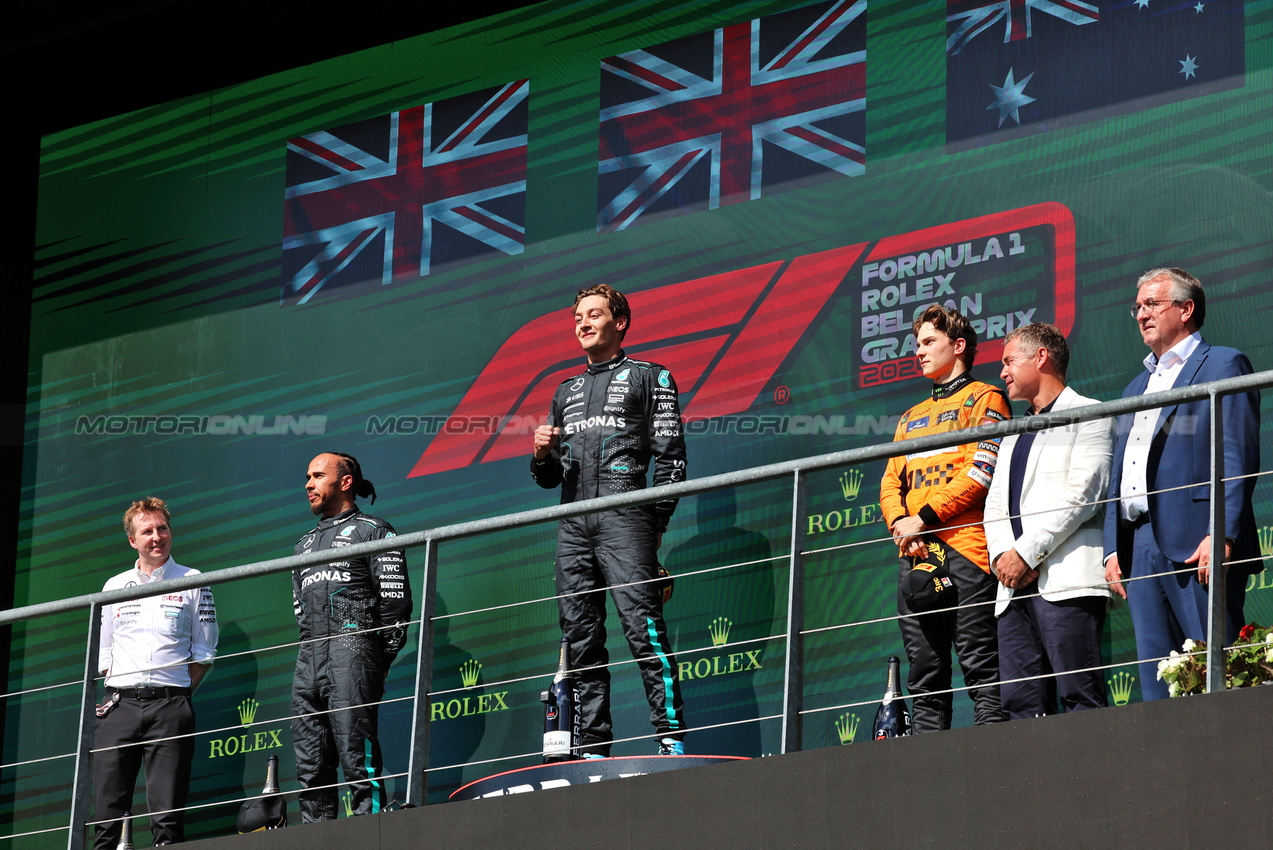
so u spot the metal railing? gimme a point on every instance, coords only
(797, 471)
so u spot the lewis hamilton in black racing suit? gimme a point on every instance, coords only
(340, 676)
(605, 426)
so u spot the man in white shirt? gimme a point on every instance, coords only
(1157, 523)
(154, 652)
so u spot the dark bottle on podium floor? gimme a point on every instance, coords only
(275, 806)
(271, 776)
(126, 833)
(561, 713)
(266, 812)
(892, 718)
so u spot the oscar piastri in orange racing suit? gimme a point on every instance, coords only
(947, 489)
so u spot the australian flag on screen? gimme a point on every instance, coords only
(405, 193)
(1035, 64)
(733, 114)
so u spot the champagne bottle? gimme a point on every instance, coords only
(126, 833)
(271, 776)
(561, 714)
(268, 812)
(892, 718)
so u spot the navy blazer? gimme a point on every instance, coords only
(1180, 455)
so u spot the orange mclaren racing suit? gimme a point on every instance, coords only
(947, 489)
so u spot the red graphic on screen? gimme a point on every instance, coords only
(723, 356)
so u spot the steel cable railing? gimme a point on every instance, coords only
(294, 792)
(796, 472)
(858, 543)
(230, 802)
(965, 688)
(538, 676)
(220, 658)
(287, 719)
(609, 587)
(209, 732)
(547, 673)
(622, 662)
(997, 683)
(1102, 585)
(37, 761)
(40, 689)
(535, 754)
(839, 626)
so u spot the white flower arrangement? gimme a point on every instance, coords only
(1248, 662)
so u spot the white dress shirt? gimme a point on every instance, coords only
(148, 643)
(1163, 375)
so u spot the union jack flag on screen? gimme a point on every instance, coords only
(730, 115)
(973, 17)
(405, 193)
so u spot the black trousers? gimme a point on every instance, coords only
(334, 675)
(970, 631)
(1039, 638)
(167, 766)
(615, 548)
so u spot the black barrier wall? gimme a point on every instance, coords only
(1176, 773)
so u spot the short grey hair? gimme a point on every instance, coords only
(1042, 335)
(1184, 287)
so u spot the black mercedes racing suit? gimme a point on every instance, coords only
(613, 418)
(340, 600)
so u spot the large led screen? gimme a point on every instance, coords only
(377, 254)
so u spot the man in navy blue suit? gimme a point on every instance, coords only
(1153, 531)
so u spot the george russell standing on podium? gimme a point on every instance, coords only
(1156, 524)
(606, 427)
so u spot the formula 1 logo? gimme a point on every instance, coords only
(724, 356)
(1001, 270)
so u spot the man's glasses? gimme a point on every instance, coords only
(1150, 305)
